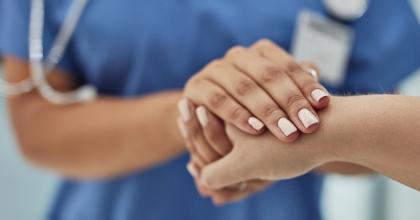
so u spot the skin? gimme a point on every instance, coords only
(207, 143)
(106, 138)
(381, 134)
(110, 136)
(264, 82)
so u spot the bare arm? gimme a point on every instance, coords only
(108, 137)
(380, 132)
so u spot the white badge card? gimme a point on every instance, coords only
(325, 42)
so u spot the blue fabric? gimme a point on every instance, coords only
(136, 47)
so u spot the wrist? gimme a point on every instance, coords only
(337, 137)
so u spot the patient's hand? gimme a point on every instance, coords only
(208, 143)
(250, 88)
(262, 157)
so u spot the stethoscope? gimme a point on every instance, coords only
(342, 9)
(40, 68)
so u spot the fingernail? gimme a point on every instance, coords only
(318, 94)
(307, 118)
(182, 128)
(202, 116)
(184, 110)
(255, 123)
(192, 170)
(312, 71)
(286, 126)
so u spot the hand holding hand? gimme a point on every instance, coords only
(207, 142)
(263, 157)
(257, 87)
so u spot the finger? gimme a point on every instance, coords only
(195, 157)
(198, 161)
(218, 101)
(204, 192)
(184, 133)
(320, 96)
(193, 169)
(312, 68)
(229, 170)
(214, 131)
(303, 77)
(251, 95)
(195, 133)
(275, 80)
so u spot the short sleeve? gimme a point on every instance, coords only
(14, 23)
(14, 31)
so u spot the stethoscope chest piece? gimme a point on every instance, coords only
(347, 10)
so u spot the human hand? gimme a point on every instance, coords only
(256, 87)
(263, 157)
(206, 142)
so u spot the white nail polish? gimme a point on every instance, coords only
(192, 170)
(255, 123)
(184, 110)
(312, 72)
(318, 94)
(307, 118)
(286, 126)
(182, 128)
(202, 116)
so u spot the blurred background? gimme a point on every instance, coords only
(26, 192)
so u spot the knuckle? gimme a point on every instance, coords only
(271, 74)
(295, 99)
(217, 100)
(245, 87)
(193, 81)
(236, 113)
(217, 63)
(264, 43)
(293, 67)
(309, 85)
(234, 51)
(270, 110)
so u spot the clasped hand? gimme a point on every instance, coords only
(236, 107)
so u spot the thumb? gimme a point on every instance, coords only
(229, 170)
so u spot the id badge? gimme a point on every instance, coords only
(325, 42)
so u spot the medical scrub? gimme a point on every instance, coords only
(137, 47)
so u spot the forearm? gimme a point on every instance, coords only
(108, 137)
(379, 132)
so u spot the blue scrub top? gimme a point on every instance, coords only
(133, 48)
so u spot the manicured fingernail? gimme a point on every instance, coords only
(307, 118)
(182, 128)
(184, 110)
(192, 170)
(286, 126)
(312, 71)
(202, 116)
(318, 94)
(255, 123)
